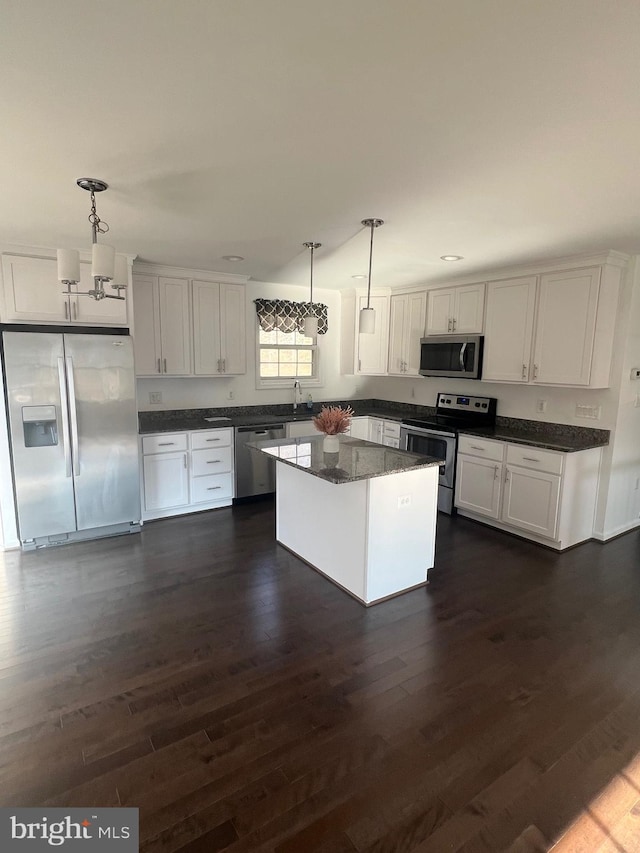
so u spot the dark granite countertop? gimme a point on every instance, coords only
(568, 438)
(354, 460)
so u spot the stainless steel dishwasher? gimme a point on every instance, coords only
(255, 472)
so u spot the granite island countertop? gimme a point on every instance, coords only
(354, 460)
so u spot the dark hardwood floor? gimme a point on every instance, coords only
(203, 673)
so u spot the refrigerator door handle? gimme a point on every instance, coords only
(73, 416)
(64, 417)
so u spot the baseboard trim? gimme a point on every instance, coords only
(619, 531)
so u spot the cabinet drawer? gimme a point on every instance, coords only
(482, 447)
(210, 438)
(215, 460)
(165, 443)
(534, 457)
(215, 487)
(391, 429)
(389, 441)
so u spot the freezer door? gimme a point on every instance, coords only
(104, 429)
(38, 419)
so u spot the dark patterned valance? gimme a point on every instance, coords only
(289, 316)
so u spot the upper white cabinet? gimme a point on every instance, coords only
(553, 329)
(565, 326)
(509, 329)
(219, 337)
(162, 341)
(456, 310)
(188, 327)
(33, 294)
(406, 327)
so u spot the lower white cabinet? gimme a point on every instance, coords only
(186, 472)
(545, 495)
(166, 481)
(375, 430)
(360, 428)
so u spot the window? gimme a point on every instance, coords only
(283, 356)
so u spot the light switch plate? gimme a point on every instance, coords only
(155, 396)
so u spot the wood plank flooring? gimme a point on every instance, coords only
(243, 703)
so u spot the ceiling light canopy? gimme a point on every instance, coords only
(105, 264)
(232, 258)
(367, 319)
(311, 321)
(451, 258)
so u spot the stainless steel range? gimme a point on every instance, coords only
(438, 435)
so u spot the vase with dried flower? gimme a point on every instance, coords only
(332, 421)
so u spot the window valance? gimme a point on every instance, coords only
(289, 316)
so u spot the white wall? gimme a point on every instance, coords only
(194, 393)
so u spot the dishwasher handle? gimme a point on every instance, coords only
(261, 428)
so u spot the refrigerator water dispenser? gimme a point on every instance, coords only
(39, 426)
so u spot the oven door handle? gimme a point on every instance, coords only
(463, 349)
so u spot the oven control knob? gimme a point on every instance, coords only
(477, 405)
(484, 405)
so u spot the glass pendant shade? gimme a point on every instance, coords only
(121, 271)
(68, 265)
(367, 321)
(102, 261)
(310, 327)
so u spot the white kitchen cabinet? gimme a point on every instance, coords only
(372, 350)
(479, 476)
(531, 500)
(376, 427)
(509, 329)
(406, 328)
(391, 434)
(565, 327)
(544, 495)
(297, 429)
(166, 481)
(219, 335)
(162, 341)
(33, 294)
(187, 472)
(456, 310)
(359, 428)
(557, 328)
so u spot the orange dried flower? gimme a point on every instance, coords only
(333, 420)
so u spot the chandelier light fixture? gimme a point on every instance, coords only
(367, 319)
(106, 266)
(311, 321)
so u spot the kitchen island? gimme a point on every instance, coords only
(363, 515)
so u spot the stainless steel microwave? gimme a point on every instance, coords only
(452, 355)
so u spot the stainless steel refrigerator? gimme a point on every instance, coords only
(73, 426)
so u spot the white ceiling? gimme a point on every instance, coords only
(501, 130)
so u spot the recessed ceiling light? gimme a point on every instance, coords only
(358, 276)
(451, 257)
(232, 258)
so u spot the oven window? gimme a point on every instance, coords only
(428, 445)
(446, 356)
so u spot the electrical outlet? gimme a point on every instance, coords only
(155, 396)
(413, 392)
(230, 394)
(404, 501)
(541, 406)
(588, 411)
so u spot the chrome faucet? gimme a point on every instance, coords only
(297, 394)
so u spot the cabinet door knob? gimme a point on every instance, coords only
(495, 476)
(165, 365)
(453, 323)
(535, 371)
(159, 367)
(524, 371)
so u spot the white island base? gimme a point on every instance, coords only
(375, 538)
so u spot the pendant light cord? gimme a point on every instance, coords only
(372, 223)
(311, 278)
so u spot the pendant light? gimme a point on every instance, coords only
(311, 321)
(106, 266)
(367, 319)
